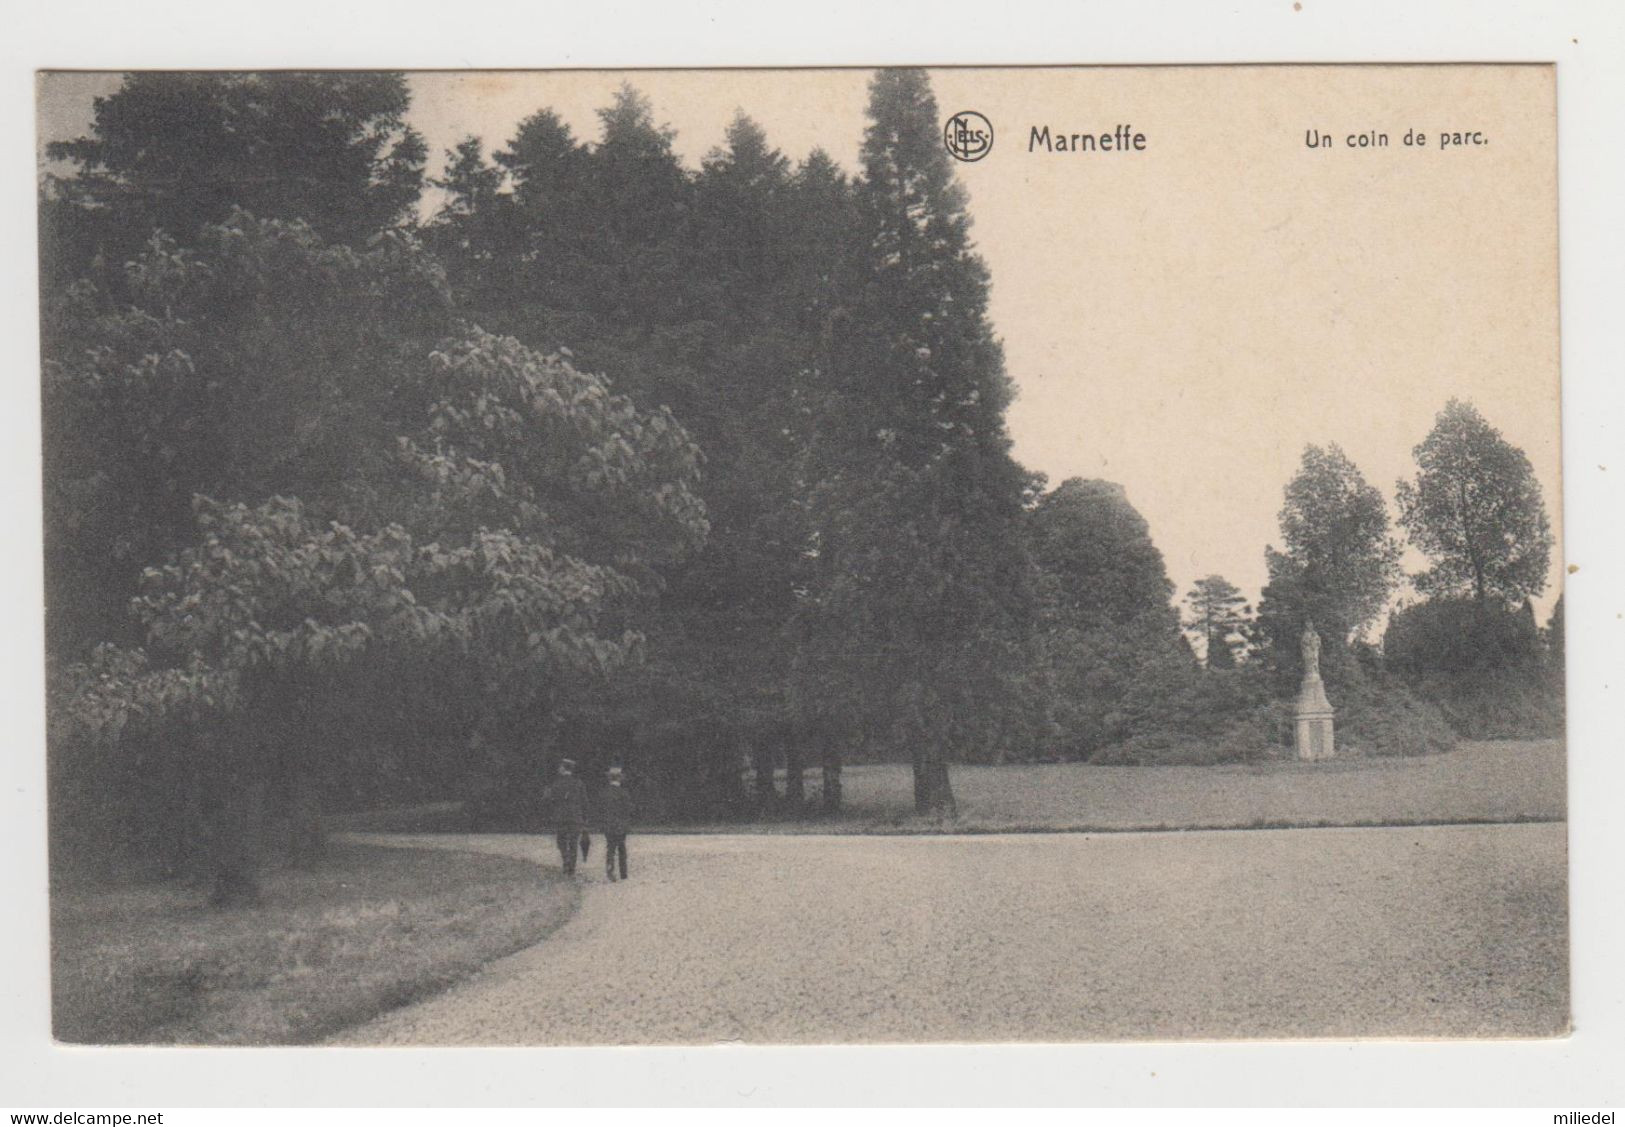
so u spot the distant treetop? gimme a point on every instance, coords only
(1475, 508)
(178, 151)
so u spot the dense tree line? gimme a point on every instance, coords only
(602, 456)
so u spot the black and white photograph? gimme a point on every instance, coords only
(803, 556)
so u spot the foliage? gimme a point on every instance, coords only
(1475, 508)
(1456, 635)
(1555, 644)
(609, 457)
(1109, 683)
(1237, 715)
(1097, 551)
(1338, 564)
(922, 581)
(261, 361)
(1381, 714)
(1107, 630)
(684, 291)
(1220, 617)
(1485, 666)
(116, 690)
(739, 215)
(1499, 704)
(495, 545)
(789, 319)
(589, 493)
(178, 151)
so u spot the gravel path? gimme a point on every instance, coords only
(1443, 931)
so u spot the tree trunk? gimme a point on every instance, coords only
(188, 852)
(830, 750)
(191, 837)
(918, 763)
(795, 751)
(307, 837)
(156, 822)
(937, 792)
(933, 793)
(762, 757)
(237, 843)
(724, 791)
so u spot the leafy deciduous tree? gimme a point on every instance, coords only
(1339, 562)
(509, 528)
(261, 361)
(1096, 548)
(1475, 508)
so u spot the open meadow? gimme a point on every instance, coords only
(1478, 781)
(1488, 781)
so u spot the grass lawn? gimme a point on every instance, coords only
(1496, 781)
(369, 930)
(1488, 781)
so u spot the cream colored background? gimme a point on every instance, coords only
(1185, 319)
(1588, 40)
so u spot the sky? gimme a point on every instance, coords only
(1186, 318)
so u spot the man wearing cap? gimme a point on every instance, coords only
(616, 811)
(566, 804)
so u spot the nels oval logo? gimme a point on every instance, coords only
(968, 136)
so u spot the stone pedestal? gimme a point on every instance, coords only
(1313, 715)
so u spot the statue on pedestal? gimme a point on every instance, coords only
(1311, 650)
(1313, 714)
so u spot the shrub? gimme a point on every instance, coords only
(1379, 715)
(1192, 717)
(1481, 663)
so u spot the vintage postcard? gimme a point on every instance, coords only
(803, 556)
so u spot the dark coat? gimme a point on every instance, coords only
(566, 804)
(615, 810)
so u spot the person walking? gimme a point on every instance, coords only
(616, 811)
(566, 803)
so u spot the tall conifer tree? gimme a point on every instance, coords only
(923, 566)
